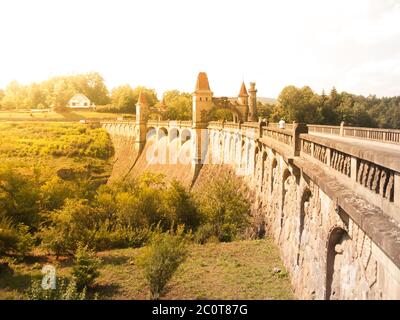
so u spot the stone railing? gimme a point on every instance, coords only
(335, 130)
(218, 125)
(131, 121)
(376, 134)
(377, 177)
(282, 135)
(232, 125)
(288, 126)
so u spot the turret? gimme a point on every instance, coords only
(202, 99)
(142, 109)
(243, 101)
(253, 115)
(142, 112)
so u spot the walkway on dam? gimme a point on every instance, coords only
(375, 146)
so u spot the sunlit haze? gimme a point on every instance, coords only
(353, 45)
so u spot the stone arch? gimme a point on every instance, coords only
(274, 166)
(255, 158)
(186, 135)
(162, 132)
(236, 116)
(304, 205)
(336, 238)
(285, 176)
(173, 134)
(151, 133)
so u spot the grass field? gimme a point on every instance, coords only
(53, 146)
(236, 270)
(54, 116)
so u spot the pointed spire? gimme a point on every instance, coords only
(243, 91)
(142, 98)
(202, 82)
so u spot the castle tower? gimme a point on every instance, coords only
(253, 115)
(142, 113)
(243, 101)
(202, 99)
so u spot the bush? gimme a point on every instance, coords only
(122, 238)
(86, 267)
(65, 291)
(14, 239)
(224, 206)
(75, 222)
(204, 233)
(160, 260)
(179, 206)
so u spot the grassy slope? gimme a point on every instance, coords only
(53, 116)
(237, 270)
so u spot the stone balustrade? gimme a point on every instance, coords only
(282, 135)
(375, 134)
(375, 176)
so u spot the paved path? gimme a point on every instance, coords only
(393, 149)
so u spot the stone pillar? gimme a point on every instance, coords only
(353, 172)
(397, 189)
(298, 128)
(342, 128)
(142, 111)
(199, 148)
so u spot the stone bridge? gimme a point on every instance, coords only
(331, 201)
(329, 196)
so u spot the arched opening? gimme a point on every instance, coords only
(285, 177)
(274, 166)
(151, 133)
(304, 207)
(255, 160)
(173, 134)
(186, 135)
(162, 132)
(334, 248)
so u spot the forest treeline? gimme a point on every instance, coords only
(293, 104)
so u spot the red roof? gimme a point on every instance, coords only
(243, 91)
(142, 98)
(202, 82)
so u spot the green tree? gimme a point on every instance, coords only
(124, 99)
(86, 267)
(224, 207)
(179, 105)
(160, 259)
(299, 105)
(179, 206)
(14, 96)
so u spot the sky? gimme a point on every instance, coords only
(353, 45)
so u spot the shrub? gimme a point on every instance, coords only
(86, 267)
(223, 205)
(65, 291)
(204, 233)
(14, 239)
(180, 207)
(160, 260)
(122, 238)
(75, 222)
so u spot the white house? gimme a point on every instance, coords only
(79, 101)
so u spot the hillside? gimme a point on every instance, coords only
(236, 270)
(267, 100)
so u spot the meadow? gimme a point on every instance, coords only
(235, 270)
(76, 115)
